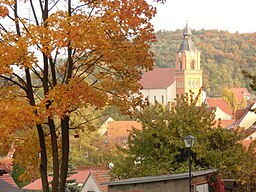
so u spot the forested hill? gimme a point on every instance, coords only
(223, 56)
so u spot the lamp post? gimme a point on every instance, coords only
(189, 142)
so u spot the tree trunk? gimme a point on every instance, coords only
(65, 152)
(55, 155)
(43, 164)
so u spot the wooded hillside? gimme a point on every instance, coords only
(223, 56)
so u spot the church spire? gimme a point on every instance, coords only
(187, 30)
(187, 44)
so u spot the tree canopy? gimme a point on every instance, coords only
(159, 148)
(59, 56)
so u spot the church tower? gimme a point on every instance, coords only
(188, 73)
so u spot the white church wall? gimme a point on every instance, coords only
(154, 95)
(171, 92)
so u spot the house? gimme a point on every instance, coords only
(103, 128)
(80, 177)
(95, 181)
(242, 94)
(223, 110)
(171, 183)
(248, 119)
(6, 166)
(7, 184)
(162, 85)
(119, 131)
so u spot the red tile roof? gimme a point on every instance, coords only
(159, 78)
(240, 93)
(246, 143)
(7, 184)
(81, 176)
(227, 123)
(117, 131)
(100, 178)
(213, 102)
(6, 164)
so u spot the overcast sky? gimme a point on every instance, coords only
(231, 15)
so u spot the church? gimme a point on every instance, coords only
(163, 84)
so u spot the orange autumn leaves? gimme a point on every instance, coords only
(110, 46)
(15, 112)
(3, 11)
(64, 99)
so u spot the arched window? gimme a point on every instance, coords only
(192, 65)
(197, 84)
(162, 99)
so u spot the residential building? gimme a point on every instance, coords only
(96, 181)
(82, 174)
(119, 131)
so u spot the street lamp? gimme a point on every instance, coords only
(189, 142)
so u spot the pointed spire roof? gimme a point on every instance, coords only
(187, 44)
(187, 30)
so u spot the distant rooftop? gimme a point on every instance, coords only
(160, 178)
(159, 78)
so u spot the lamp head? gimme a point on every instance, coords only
(189, 141)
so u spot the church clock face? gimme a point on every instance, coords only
(192, 54)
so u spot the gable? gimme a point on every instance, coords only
(214, 102)
(8, 184)
(241, 93)
(90, 185)
(159, 78)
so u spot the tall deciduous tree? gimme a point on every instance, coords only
(63, 55)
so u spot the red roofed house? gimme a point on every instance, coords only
(7, 184)
(119, 131)
(6, 181)
(248, 119)
(162, 85)
(81, 176)
(241, 94)
(95, 181)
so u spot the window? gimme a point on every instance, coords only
(155, 101)
(197, 84)
(162, 99)
(180, 65)
(193, 84)
(192, 65)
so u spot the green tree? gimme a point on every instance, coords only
(159, 148)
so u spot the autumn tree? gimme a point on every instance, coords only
(59, 56)
(232, 100)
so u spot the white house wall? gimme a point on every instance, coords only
(248, 120)
(219, 114)
(90, 185)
